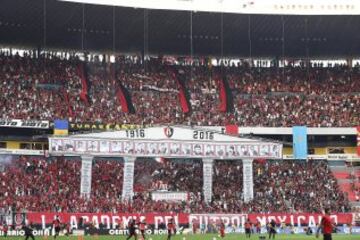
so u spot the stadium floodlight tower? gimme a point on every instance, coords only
(167, 142)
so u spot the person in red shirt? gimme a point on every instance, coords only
(248, 228)
(258, 227)
(142, 227)
(325, 226)
(222, 229)
(171, 229)
(5, 229)
(56, 225)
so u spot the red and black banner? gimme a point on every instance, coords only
(225, 95)
(84, 83)
(183, 98)
(122, 94)
(222, 96)
(67, 101)
(122, 99)
(125, 100)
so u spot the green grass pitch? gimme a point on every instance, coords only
(197, 237)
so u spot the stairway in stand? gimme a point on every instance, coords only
(347, 182)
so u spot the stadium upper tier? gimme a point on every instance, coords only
(38, 184)
(128, 91)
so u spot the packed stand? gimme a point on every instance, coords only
(319, 97)
(39, 184)
(47, 87)
(312, 110)
(202, 85)
(228, 185)
(167, 175)
(100, 103)
(106, 184)
(278, 185)
(316, 80)
(153, 91)
(36, 87)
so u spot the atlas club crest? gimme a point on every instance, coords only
(19, 219)
(168, 131)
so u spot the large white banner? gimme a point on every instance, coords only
(86, 174)
(207, 179)
(138, 148)
(248, 183)
(184, 133)
(166, 142)
(128, 181)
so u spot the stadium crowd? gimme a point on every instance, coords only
(50, 87)
(35, 184)
(40, 184)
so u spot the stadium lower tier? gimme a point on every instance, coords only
(37, 184)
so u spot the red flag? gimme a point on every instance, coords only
(182, 97)
(260, 160)
(83, 96)
(122, 99)
(222, 93)
(84, 87)
(183, 101)
(232, 129)
(67, 100)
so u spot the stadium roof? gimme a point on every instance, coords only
(58, 24)
(295, 7)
